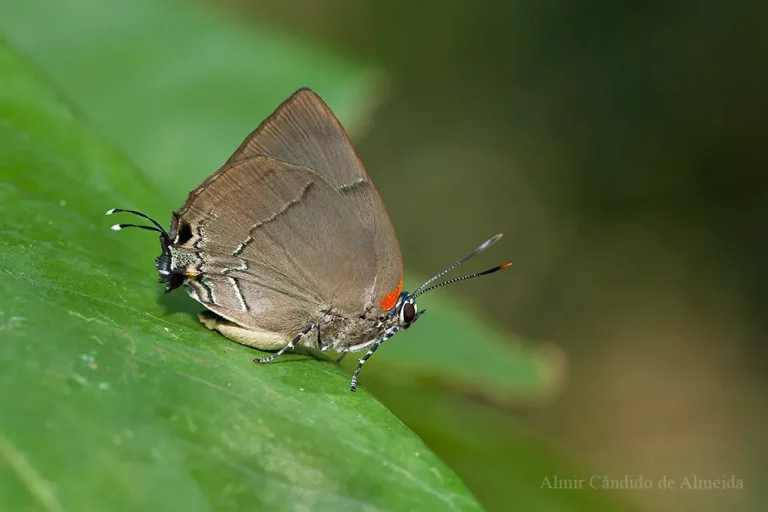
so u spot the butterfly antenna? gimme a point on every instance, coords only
(118, 227)
(157, 227)
(456, 279)
(418, 291)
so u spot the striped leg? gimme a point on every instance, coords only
(387, 335)
(289, 346)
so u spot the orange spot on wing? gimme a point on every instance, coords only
(390, 299)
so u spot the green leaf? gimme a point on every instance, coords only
(178, 87)
(111, 403)
(500, 458)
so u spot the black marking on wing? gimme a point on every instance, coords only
(207, 288)
(185, 234)
(239, 291)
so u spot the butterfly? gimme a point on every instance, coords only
(289, 243)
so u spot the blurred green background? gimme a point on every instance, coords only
(618, 146)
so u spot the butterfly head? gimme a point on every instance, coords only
(169, 276)
(405, 312)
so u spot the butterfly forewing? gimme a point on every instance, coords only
(303, 131)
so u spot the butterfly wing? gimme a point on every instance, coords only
(277, 246)
(303, 131)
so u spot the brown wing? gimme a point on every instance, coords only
(277, 238)
(303, 131)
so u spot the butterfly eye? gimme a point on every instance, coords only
(407, 314)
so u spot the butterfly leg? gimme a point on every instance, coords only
(289, 346)
(341, 356)
(388, 334)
